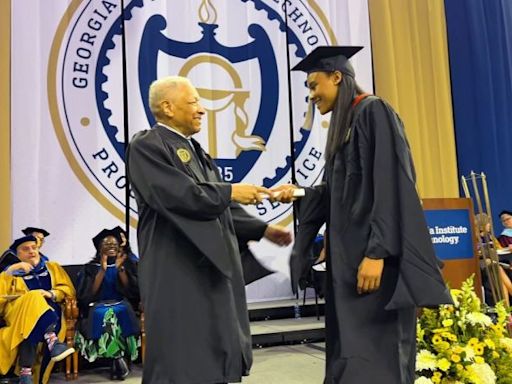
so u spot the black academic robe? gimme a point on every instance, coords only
(86, 278)
(190, 274)
(8, 258)
(248, 228)
(371, 208)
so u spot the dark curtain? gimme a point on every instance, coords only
(480, 50)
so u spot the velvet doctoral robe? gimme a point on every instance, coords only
(371, 208)
(190, 274)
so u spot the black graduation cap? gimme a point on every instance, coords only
(29, 230)
(504, 212)
(20, 241)
(329, 59)
(105, 233)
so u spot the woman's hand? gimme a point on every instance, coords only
(369, 275)
(120, 259)
(104, 261)
(284, 193)
(123, 240)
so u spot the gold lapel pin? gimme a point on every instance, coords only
(184, 155)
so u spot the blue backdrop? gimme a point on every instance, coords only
(480, 51)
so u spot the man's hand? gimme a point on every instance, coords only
(248, 193)
(369, 275)
(21, 266)
(284, 193)
(44, 293)
(278, 235)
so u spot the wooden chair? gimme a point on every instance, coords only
(142, 334)
(71, 316)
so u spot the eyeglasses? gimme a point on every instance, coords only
(28, 248)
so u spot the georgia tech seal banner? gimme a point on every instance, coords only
(68, 114)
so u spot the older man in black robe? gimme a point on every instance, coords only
(380, 260)
(190, 274)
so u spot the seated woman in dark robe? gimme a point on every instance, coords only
(32, 291)
(107, 286)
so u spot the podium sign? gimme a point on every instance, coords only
(450, 230)
(451, 226)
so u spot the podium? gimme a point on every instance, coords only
(451, 224)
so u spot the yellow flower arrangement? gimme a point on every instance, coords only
(464, 343)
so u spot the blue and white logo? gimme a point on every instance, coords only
(235, 54)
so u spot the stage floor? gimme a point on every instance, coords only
(294, 364)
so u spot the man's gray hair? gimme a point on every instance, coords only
(160, 88)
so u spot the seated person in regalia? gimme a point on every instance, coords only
(40, 234)
(483, 224)
(32, 291)
(107, 288)
(505, 238)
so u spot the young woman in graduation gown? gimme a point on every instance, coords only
(380, 260)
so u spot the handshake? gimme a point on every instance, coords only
(254, 194)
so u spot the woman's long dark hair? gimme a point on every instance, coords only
(341, 116)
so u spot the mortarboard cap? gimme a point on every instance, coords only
(29, 230)
(14, 246)
(328, 59)
(105, 233)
